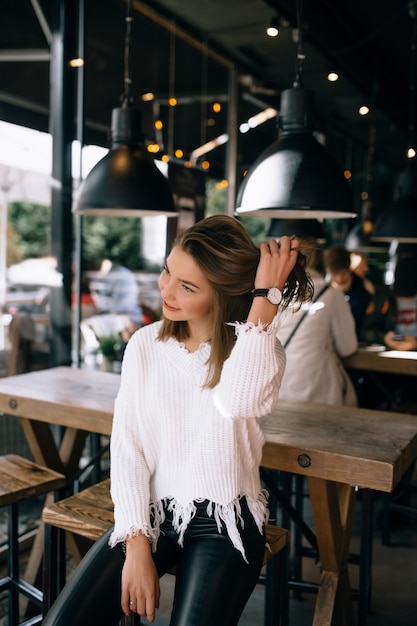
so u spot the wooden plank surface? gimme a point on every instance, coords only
(76, 398)
(371, 449)
(389, 361)
(88, 513)
(21, 479)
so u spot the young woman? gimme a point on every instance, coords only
(186, 442)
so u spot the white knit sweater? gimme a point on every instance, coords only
(171, 439)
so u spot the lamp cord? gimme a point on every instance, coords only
(413, 69)
(127, 99)
(300, 47)
(171, 96)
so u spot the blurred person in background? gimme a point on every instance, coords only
(119, 293)
(337, 266)
(404, 335)
(359, 266)
(391, 320)
(378, 324)
(316, 336)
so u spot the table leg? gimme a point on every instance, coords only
(63, 457)
(333, 510)
(71, 449)
(365, 557)
(42, 444)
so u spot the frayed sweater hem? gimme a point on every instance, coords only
(229, 515)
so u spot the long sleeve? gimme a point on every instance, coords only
(251, 377)
(129, 489)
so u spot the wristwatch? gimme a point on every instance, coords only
(274, 294)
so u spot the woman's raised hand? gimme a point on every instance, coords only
(276, 261)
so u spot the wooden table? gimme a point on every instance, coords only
(378, 359)
(336, 448)
(79, 401)
(388, 372)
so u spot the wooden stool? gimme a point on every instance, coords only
(20, 479)
(89, 514)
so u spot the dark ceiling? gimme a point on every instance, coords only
(186, 49)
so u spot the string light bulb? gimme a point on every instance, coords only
(332, 77)
(272, 29)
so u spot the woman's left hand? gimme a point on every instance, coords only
(276, 261)
(140, 581)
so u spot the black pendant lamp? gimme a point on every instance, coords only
(126, 182)
(359, 237)
(359, 240)
(399, 222)
(299, 228)
(296, 177)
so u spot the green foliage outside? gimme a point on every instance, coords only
(14, 249)
(112, 238)
(29, 225)
(30, 232)
(216, 203)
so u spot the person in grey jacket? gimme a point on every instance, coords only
(314, 370)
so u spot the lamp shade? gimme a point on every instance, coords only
(295, 177)
(299, 228)
(357, 240)
(399, 222)
(126, 182)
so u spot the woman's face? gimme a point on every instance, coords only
(186, 294)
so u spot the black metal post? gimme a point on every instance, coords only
(62, 129)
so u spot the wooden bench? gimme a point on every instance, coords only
(89, 513)
(21, 479)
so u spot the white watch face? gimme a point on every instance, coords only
(274, 295)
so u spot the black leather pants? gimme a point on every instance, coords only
(213, 581)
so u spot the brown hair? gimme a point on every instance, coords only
(337, 258)
(314, 254)
(227, 256)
